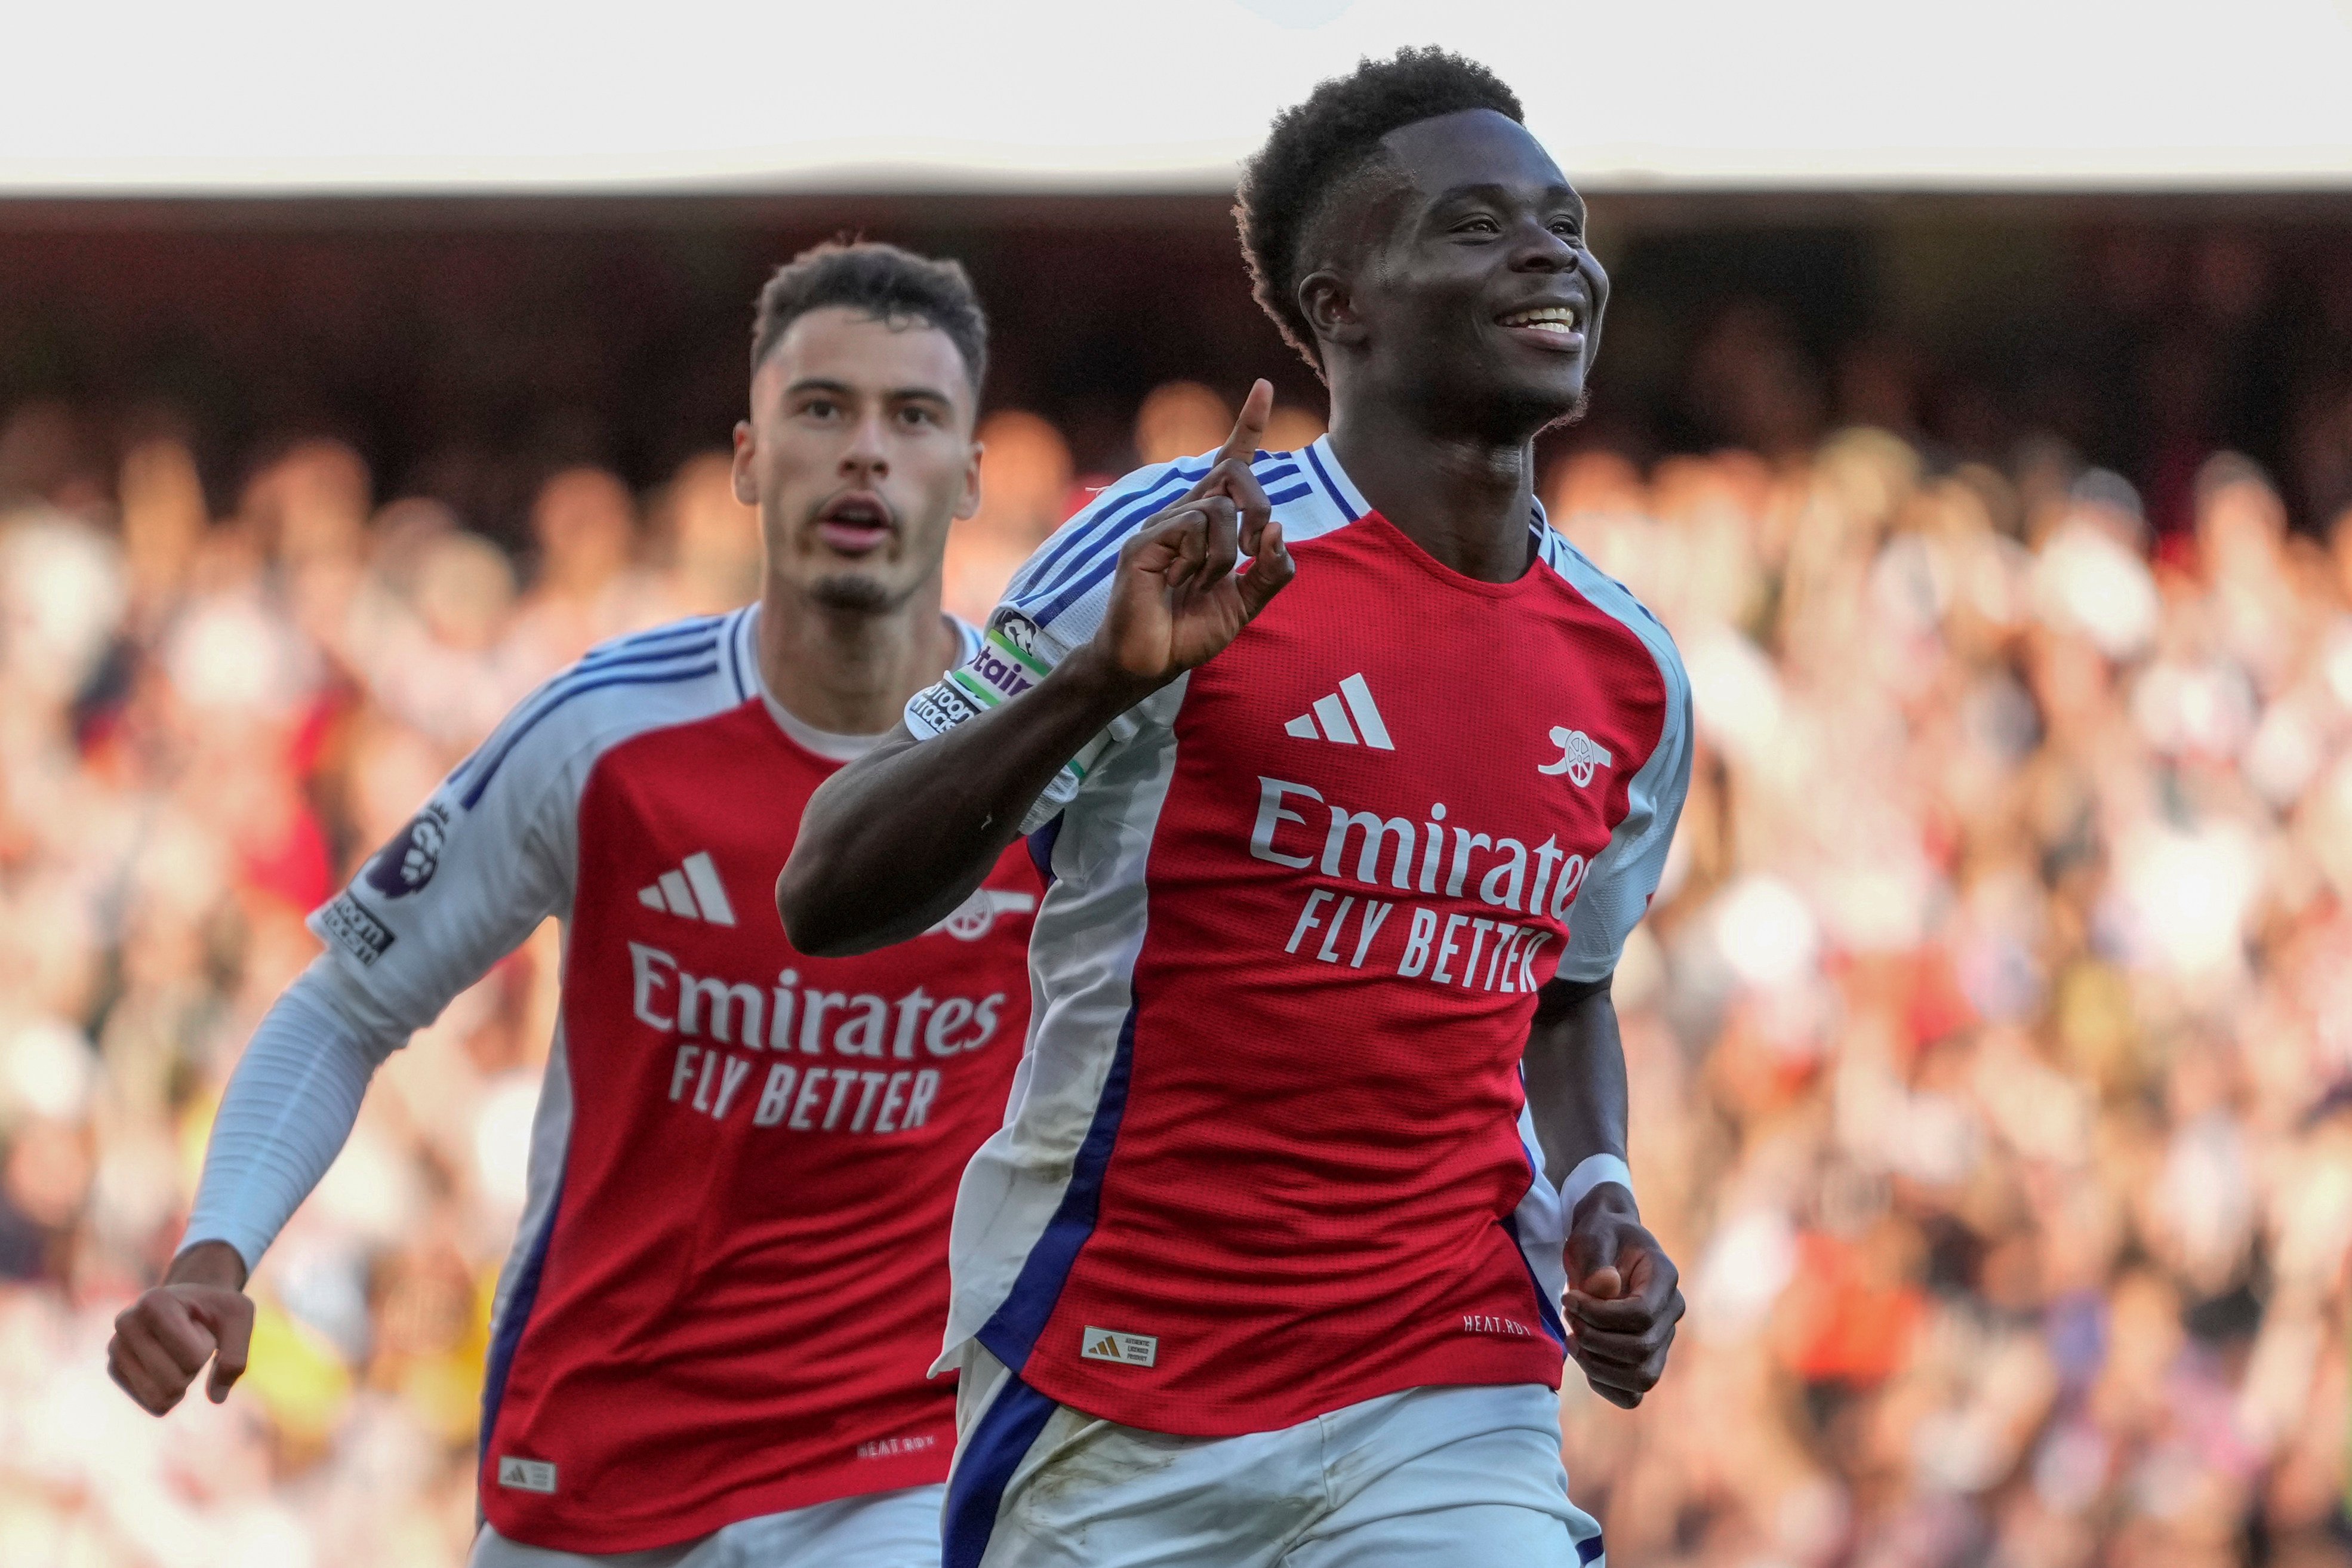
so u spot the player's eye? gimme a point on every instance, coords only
(1479, 224)
(915, 414)
(820, 408)
(1568, 229)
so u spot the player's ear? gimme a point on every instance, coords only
(1325, 299)
(970, 505)
(747, 444)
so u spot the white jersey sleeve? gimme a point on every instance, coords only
(496, 850)
(489, 856)
(1619, 883)
(288, 1109)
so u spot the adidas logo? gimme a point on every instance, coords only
(1130, 1349)
(1328, 718)
(526, 1475)
(693, 890)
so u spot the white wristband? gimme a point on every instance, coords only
(1589, 1173)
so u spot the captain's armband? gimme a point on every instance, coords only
(1011, 657)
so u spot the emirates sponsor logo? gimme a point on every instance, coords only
(746, 1050)
(1528, 890)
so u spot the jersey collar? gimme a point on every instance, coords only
(807, 736)
(1328, 477)
(825, 742)
(1331, 479)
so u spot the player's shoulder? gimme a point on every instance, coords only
(968, 637)
(1614, 599)
(1305, 489)
(668, 674)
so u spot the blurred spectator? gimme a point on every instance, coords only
(708, 540)
(585, 586)
(1990, 1038)
(1750, 385)
(1990, 1083)
(1024, 492)
(1180, 419)
(1288, 428)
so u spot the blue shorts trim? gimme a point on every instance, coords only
(984, 1468)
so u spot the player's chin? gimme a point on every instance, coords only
(1540, 381)
(1540, 404)
(859, 593)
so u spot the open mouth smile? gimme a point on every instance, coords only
(1556, 327)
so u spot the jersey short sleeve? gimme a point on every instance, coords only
(483, 862)
(1055, 604)
(496, 850)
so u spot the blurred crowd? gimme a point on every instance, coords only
(1991, 1039)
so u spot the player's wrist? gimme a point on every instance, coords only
(1599, 1185)
(1095, 676)
(213, 1263)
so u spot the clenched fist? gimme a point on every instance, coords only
(199, 1313)
(1624, 1297)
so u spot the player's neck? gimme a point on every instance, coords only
(850, 671)
(1465, 498)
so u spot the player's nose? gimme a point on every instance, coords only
(1541, 250)
(868, 454)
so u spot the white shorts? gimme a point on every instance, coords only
(880, 1530)
(1424, 1479)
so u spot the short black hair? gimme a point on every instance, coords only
(1316, 146)
(884, 282)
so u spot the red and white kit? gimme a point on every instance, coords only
(728, 1284)
(1268, 1155)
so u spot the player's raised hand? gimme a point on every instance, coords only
(198, 1314)
(1624, 1297)
(1177, 600)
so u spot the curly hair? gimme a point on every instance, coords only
(1317, 148)
(882, 281)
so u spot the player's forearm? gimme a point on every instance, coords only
(893, 842)
(289, 1109)
(1576, 1077)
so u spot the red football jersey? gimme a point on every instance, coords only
(731, 1275)
(1269, 1155)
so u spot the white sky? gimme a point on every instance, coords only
(362, 95)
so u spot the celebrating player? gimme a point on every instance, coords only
(1324, 1108)
(711, 1338)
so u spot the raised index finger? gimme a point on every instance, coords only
(1249, 426)
(1241, 447)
